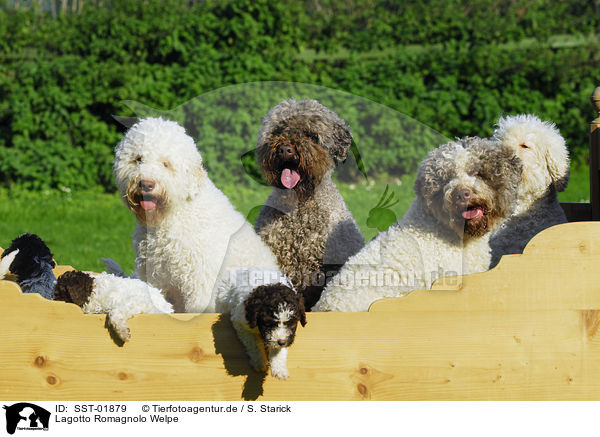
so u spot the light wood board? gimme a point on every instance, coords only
(526, 330)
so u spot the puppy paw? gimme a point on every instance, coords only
(123, 333)
(121, 329)
(280, 373)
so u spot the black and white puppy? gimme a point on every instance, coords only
(31, 261)
(265, 312)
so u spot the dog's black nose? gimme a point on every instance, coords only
(281, 342)
(147, 185)
(286, 152)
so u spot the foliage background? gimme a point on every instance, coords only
(453, 65)
(441, 68)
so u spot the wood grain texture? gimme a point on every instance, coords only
(526, 330)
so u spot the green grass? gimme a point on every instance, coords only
(79, 227)
(82, 227)
(578, 189)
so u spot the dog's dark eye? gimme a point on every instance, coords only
(139, 159)
(524, 146)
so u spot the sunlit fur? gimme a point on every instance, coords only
(265, 314)
(149, 151)
(543, 152)
(545, 159)
(433, 239)
(196, 235)
(309, 228)
(476, 165)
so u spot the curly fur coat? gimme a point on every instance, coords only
(463, 189)
(188, 234)
(545, 159)
(308, 226)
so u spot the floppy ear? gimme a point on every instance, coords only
(198, 177)
(342, 141)
(557, 157)
(432, 172)
(74, 287)
(251, 313)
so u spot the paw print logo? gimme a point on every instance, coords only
(382, 217)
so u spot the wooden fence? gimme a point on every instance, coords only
(525, 330)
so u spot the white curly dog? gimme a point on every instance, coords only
(545, 159)
(188, 235)
(463, 190)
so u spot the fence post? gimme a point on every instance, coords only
(595, 157)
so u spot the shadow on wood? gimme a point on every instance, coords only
(235, 358)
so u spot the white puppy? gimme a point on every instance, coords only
(119, 298)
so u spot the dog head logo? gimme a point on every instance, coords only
(25, 416)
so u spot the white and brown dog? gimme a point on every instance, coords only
(118, 298)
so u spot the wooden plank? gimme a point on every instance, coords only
(526, 330)
(563, 254)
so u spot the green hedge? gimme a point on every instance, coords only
(453, 66)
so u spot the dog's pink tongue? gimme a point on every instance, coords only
(148, 205)
(472, 213)
(289, 178)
